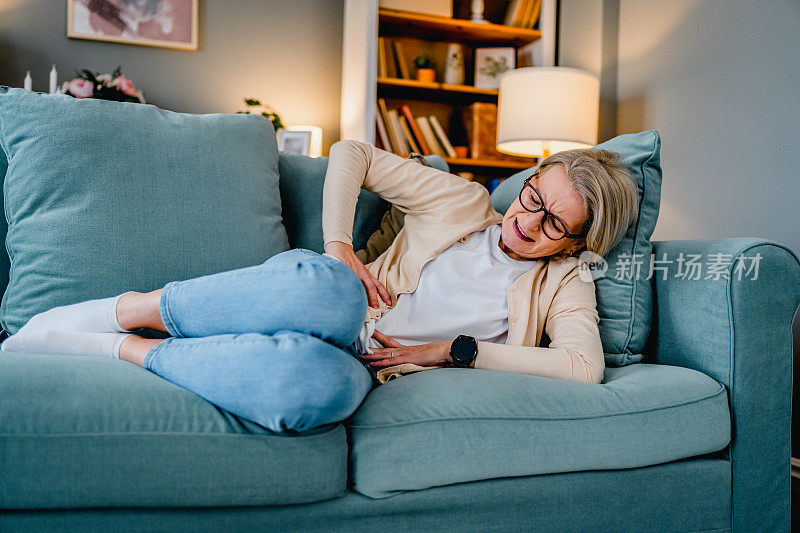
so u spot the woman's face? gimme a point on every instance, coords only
(561, 199)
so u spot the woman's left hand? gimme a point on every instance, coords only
(431, 354)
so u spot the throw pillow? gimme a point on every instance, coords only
(103, 197)
(624, 299)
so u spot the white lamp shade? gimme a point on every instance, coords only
(553, 108)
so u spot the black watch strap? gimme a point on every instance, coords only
(463, 350)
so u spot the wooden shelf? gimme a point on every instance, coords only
(439, 92)
(436, 28)
(489, 163)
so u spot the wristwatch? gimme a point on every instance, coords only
(463, 351)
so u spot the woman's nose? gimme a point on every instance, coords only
(530, 222)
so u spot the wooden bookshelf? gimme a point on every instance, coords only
(435, 28)
(421, 33)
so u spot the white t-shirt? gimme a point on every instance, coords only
(461, 291)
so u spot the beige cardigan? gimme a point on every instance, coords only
(440, 209)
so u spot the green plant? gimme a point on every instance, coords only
(253, 106)
(423, 61)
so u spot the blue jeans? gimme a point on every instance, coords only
(273, 343)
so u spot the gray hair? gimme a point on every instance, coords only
(607, 187)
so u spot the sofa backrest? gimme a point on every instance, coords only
(301, 180)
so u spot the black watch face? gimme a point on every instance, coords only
(463, 349)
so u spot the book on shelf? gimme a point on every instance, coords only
(412, 123)
(523, 13)
(383, 70)
(412, 144)
(398, 139)
(480, 120)
(430, 137)
(441, 136)
(396, 50)
(383, 134)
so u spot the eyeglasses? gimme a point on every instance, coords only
(552, 226)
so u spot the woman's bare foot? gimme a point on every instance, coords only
(135, 348)
(140, 310)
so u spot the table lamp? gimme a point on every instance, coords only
(544, 110)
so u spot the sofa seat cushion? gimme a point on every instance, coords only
(93, 432)
(453, 425)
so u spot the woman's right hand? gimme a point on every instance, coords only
(344, 252)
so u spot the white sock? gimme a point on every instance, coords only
(92, 316)
(66, 343)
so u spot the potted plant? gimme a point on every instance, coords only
(255, 106)
(425, 70)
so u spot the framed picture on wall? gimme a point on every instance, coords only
(164, 23)
(294, 142)
(491, 63)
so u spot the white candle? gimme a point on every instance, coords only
(53, 80)
(28, 81)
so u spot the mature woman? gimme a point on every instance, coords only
(287, 343)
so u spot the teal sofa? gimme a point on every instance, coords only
(690, 433)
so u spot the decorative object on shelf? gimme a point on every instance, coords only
(477, 12)
(315, 141)
(164, 23)
(480, 120)
(294, 142)
(491, 64)
(523, 13)
(454, 66)
(255, 106)
(544, 110)
(425, 71)
(114, 86)
(28, 83)
(442, 8)
(53, 80)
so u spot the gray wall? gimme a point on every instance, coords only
(288, 53)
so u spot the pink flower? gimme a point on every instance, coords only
(125, 85)
(81, 88)
(105, 79)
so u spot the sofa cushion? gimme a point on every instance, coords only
(624, 297)
(103, 197)
(453, 425)
(301, 180)
(94, 432)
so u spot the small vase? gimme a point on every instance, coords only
(426, 75)
(454, 66)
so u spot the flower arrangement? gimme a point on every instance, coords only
(255, 106)
(114, 86)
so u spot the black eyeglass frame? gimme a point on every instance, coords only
(547, 213)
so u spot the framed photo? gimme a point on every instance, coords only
(294, 142)
(164, 23)
(491, 63)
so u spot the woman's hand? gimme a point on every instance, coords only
(431, 354)
(344, 252)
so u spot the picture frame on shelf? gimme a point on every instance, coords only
(161, 23)
(491, 63)
(294, 142)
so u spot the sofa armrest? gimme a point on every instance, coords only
(735, 325)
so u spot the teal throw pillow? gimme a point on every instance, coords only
(624, 297)
(103, 197)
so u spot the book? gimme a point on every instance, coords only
(383, 71)
(520, 13)
(441, 136)
(409, 136)
(398, 72)
(383, 135)
(384, 112)
(533, 14)
(399, 50)
(512, 13)
(412, 123)
(430, 138)
(480, 120)
(399, 139)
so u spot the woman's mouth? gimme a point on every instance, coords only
(520, 234)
